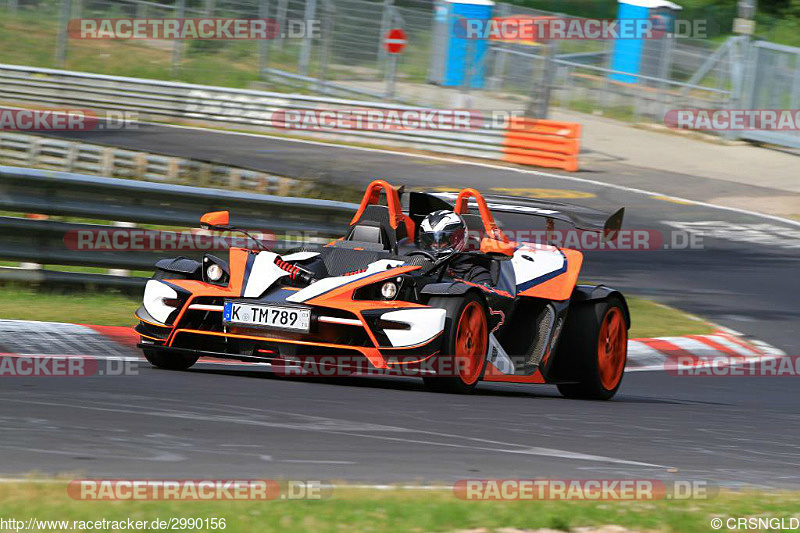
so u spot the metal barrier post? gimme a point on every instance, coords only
(666, 67)
(604, 92)
(61, 43)
(499, 68)
(386, 19)
(568, 88)
(466, 83)
(396, 21)
(305, 51)
(329, 12)
(264, 45)
(391, 75)
(499, 63)
(280, 18)
(743, 59)
(539, 101)
(177, 44)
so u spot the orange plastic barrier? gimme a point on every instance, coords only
(543, 143)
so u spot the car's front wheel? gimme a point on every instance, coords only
(464, 344)
(169, 362)
(593, 350)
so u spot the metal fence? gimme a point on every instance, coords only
(773, 82)
(78, 197)
(591, 88)
(348, 57)
(345, 57)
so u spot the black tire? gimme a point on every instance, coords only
(457, 307)
(169, 362)
(579, 353)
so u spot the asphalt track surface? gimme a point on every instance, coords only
(234, 423)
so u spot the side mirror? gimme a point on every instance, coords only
(215, 219)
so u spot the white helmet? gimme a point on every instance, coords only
(443, 232)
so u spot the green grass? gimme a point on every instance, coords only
(115, 309)
(96, 308)
(399, 510)
(651, 319)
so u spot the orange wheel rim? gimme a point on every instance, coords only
(471, 342)
(611, 346)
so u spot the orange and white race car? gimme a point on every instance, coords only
(384, 300)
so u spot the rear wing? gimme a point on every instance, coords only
(580, 217)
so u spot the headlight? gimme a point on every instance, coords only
(214, 272)
(396, 288)
(389, 290)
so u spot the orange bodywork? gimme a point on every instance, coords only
(493, 374)
(338, 298)
(558, 288)
(216, 218)
(489, 224)
(373, 195)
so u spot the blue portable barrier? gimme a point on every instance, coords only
(629, 50)
(457, 50)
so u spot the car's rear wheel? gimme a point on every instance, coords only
(169, 362)
(593, 350)
(464, 344)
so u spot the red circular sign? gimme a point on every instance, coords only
(395, 41)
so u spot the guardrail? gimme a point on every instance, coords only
(72, 156)
(164, 100)
(77, 196)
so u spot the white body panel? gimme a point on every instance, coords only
(263, 274)
(498, 356)
(155, 292)
(532, 263)
(424, 325)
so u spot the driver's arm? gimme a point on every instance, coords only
(469, 269)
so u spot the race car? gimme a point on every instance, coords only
(385, 299)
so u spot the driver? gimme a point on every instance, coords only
(444, 233)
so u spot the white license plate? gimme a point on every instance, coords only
(268, 316)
